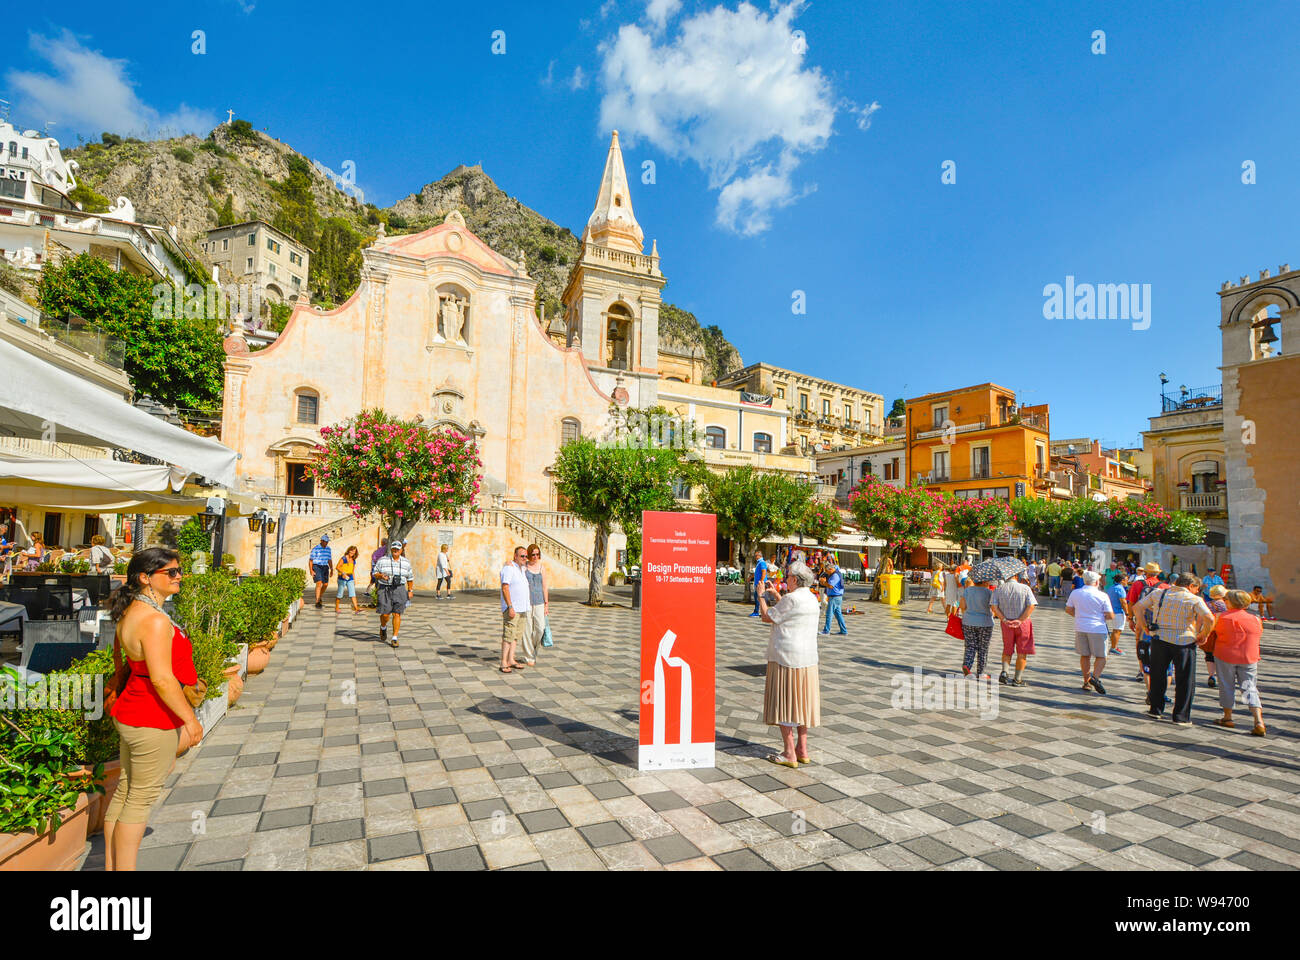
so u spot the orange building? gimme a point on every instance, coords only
(976, 442)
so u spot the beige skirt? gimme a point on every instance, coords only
(793, 695)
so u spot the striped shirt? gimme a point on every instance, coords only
(321, 556)
(399, 572)
(1175, 617)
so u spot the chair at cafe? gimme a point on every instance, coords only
(50, 645)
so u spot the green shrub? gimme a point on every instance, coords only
(191, 537)
(36, 784)
(211, 146)
(254, 611)
(183, 154)
(215, 179)
(548, 254)
(110, 139)
(242, 130)
(294, 582)
(88, 199)
(92, 741)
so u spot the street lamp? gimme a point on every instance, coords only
(261, 521)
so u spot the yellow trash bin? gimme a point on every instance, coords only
(893, 591)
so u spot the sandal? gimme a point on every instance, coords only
(803, 759)
(519, 666)
(781, 761)
(1224, 722)
(505, 670)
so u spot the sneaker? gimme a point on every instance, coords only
(1117, 652)
(1182, 723)
(1213, 683)
(823, 633)
(1019, 682)
(841, 633)
(753, 614)
(1153, 714)
(1087, 685)
(319, 604)
(965, 671)
(1096, 685)
(394, 643)
(383, 634)
(1003, 678)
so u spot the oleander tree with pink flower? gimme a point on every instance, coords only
(904, 518)
(971, 521)
(398, 470)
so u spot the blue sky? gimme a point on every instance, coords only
(785, 164)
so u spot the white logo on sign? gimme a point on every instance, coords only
(662, 658)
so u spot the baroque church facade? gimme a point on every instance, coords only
(445, 329)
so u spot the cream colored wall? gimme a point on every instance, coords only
(377, 350)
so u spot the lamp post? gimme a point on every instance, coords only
(1163, 380)
(261, 521)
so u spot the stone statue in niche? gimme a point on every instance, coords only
(451, 318)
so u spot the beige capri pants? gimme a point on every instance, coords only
(148, 755)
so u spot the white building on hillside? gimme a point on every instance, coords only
(38, 219)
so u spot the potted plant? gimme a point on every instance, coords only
(43, 802)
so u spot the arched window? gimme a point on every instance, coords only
(715, 437)
(307, 406)
(762, 443)
(570, 429)
(618, 338)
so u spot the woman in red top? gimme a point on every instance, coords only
(154, 721)
(1236, 657)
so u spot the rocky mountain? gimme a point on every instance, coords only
(187, 180)
(237, 173)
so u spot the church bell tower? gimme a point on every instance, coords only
(612, 298)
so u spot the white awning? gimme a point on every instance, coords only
(36, 396)
(95, 486)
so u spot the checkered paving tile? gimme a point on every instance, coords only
(347, 754)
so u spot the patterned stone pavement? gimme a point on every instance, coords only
(346, 754)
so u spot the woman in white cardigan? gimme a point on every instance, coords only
(792, 698)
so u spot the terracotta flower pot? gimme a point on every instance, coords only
(99, 801)
(234, 683)
(60, 851)
(259, 655)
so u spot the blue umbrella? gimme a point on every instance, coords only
(999, 568)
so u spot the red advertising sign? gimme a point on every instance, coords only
(678, 603)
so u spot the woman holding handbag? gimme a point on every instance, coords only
(1235, 645)
(147, 700)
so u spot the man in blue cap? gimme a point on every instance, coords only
(396, 589)
(322, 563)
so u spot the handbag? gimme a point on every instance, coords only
(547, 639)
(954, 628)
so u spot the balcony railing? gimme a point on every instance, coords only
(994, 473)
(980, 424)
(1194, 398)
(1215, 502)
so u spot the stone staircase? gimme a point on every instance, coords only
(297, 549)
(551, 547)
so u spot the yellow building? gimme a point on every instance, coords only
(737, 429)
(1185, 445)
(823, 415)
(976, 442)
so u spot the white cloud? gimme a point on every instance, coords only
(579, 79)
(88, 92)
(659, 12)
(729, 90)
(864, 114)
(745, 204)
(549, 79)
(608, 7)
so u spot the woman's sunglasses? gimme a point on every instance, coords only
(172, 572)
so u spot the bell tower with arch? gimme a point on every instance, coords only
(1260, 330)
(612, 297)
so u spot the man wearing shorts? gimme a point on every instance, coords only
(1013, 604)
(514, 608)
(1118, 593)
(322, 563)
(1092, 616)
(396, 582)
(1053, 579)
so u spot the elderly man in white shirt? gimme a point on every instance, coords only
(514, 608)
(792, 697)
(1092, 615)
